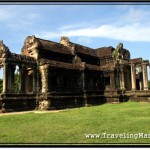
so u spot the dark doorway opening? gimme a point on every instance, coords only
(137, 84)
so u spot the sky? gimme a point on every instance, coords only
(90, 25)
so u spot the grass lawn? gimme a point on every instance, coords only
(71, 125)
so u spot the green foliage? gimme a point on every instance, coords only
(16, 83)
(70, 126)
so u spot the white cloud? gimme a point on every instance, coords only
(131, 32)
(48, 35)
(73, 26)
(133, 25)
(84, 39)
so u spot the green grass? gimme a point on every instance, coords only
(71, 125)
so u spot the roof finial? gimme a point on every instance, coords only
(64, 40)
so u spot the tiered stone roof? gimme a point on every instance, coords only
(54, 46)
(135, 60)
(84, 50)
(58, 64)
(104, 51)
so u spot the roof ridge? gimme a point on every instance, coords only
(82, 45)
(48, 41)
(104, 47)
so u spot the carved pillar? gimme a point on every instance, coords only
(44, 78)
(140, 77)
(122, 83)
(145, 78)
(133, 80)
(5, 78)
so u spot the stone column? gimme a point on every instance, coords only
(5, 78)
(140, 77)
(122, 83)
(145, 78)
(133, 80)
(44, 78)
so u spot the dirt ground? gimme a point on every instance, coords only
(33, 111)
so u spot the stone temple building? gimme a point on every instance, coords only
(64, 75)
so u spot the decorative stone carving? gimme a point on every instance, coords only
(126, 54)
(83, 64)
(77, 60)
(117, 54)
(31, 46)
(44, 104)
(4, 50)
(66, 42)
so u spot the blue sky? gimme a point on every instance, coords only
(90, 25)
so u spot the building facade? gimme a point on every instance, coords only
(64, 75)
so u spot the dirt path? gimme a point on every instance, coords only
(33, 111)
